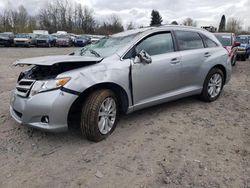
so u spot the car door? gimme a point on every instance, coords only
(154, 82)
(193, 54)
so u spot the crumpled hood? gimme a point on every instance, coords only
(51, 60)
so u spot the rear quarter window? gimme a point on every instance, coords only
(189, 40)
(209, 43)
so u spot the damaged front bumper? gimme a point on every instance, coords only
(46, 111)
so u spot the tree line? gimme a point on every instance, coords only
(76, 18)
(58, 16)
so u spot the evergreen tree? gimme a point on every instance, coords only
(156, 18)
(222, 26)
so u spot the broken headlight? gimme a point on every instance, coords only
(48, 85)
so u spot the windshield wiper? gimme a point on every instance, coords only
(94, 52)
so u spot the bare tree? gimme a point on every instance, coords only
(174, 23)
(234, 25)
(111, 26)
(131, 26)
(88, 21)
(58, 15)
(189, 22)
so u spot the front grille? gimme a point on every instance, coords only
(41, 41)
(24, 86)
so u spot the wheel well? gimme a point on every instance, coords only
(75, 110)
(223, 69)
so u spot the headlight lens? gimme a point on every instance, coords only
(47, 85)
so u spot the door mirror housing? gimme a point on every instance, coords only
(143, 57)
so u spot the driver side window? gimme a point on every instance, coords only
(157, 44)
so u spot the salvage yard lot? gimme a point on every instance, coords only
(186, 143)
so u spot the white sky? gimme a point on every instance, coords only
(205, 12)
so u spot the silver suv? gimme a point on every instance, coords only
(119, 74)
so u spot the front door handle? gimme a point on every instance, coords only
(207, 54)
(175, 61)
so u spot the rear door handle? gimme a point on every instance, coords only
(175, 61)
(207, 54)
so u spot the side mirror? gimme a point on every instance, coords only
(143, 57)
(236, 44)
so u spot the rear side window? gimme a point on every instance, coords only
(188, 40)
(209, 43)
(157, 44)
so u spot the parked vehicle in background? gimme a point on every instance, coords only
(41, 32)
(7, 39)
(95, 38)
(62, 33)
(124, 72)
(244, 48)
(228, 40)
(73, 37)
(82, 41)
(24, 39)
(45, 41)
(64, 41)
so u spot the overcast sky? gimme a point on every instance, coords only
(205, 12)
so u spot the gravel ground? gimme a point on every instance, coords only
(186, 143)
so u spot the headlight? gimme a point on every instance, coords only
(48, 85)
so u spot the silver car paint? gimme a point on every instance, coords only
(50, 60)
(161, 81)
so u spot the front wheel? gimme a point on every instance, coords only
(99, 115)
(213, 85)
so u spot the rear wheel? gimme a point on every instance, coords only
(99, 115)
(213, 85)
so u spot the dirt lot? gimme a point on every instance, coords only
(186, 143)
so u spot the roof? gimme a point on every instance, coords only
(141, 30)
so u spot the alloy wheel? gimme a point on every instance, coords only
(107, 115)
(215, 85)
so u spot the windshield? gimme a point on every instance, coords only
(105, 47)
(43, 36)
(242, 40)
(4, 35)
(22, 36)
(62, 36)
(225, 39)
(82, 37)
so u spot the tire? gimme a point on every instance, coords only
(243, 58)
(91, 116)
(233, 61)
(206, 95)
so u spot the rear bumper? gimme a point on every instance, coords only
(55, 105)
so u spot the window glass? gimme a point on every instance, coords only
(209, 42)
(157, 44)
(225, 39)
(242, 39)
(188, 40)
